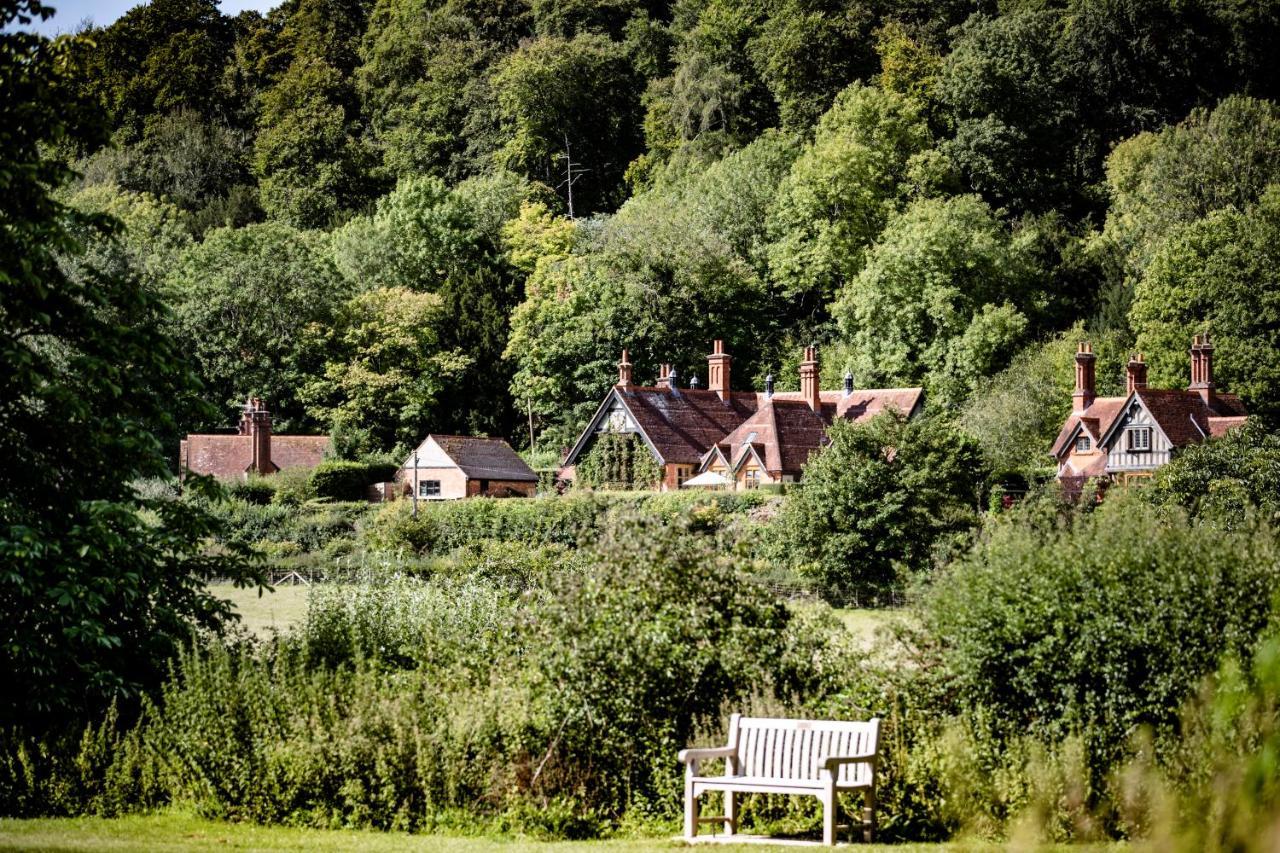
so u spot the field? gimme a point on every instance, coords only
(179, 832)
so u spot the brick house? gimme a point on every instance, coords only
(749, 438)
(448, 467)
(253, 449)
(1121, 438)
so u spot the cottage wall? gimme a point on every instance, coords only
(453, 483)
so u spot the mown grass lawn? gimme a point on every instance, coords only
(278, 610)
(175, 831)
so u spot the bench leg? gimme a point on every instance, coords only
(730, 812)
(869, 816)
(690, 811)
(829, 817)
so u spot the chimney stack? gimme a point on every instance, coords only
(256, 423)
(1084, 394)
(1202, 368)
(624, 371)
(664, 372)
(809, 378)
(718, 370)
(1136, 374)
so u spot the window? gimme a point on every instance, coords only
(428, 488)
(1082, 443)
(682, 474)
(752, 478)
(1138, 439)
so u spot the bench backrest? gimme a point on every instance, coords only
(795, 749)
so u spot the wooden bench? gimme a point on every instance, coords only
(771, 756)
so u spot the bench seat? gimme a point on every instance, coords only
(817, 758)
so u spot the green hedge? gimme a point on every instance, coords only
(340, 480)
(442, 526)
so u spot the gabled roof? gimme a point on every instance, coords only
(483, 458)
(231, 455)
(681, 426)
(1180, 414)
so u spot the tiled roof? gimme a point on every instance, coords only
(231, 455)
(298, 451)
(1219, 427)
(485, 458)
(220, 455)
(1097, 419)
(685, 423)
(1181, 414)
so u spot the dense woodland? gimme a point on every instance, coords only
(363, 214)
(361, 211)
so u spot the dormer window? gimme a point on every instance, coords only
(1137, 439)
(1083, 444)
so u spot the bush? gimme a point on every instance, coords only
(255, 490)
(876, 502)
(1225, 478)
(1098, 624)
(347, 481)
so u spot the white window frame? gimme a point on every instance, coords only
(425, 488)
(1137, 439)
(751, 478)
(1083, 443)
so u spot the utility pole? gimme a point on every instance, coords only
(529, 407)
(415, 483)
(572, 172)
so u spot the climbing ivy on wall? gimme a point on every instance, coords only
(619, 460)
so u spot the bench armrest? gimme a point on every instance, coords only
(833, 762)
(688, 756)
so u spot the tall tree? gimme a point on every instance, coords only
(93, 595)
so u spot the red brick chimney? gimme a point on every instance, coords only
(1082, 398)
(1202, 368)
(664, 376)
(624, 371)
(1135, 373)
(256, 423)
(809, 379)
(718, 370)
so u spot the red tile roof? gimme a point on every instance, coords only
(685, 424)
(226, 456)
(1181, 414)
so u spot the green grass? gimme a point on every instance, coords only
(261, 614)
(175, 831)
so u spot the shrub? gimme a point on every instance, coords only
(255, 490)
(293, 487)
(1224, 478)
(347, 481)
(1097, 624)
(876, 502)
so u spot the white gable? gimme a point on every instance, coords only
(430, 455)
(1122, 455)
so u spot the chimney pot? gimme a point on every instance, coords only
(624, 370)
(848, 383)
(693, 381)
(1083, 396)
(1202, 369)
(809, 379)
(1135, 373)
(768, 386)
(718, 364)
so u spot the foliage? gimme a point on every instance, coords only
(874, 504)
(1225, 479)
(1217, 275)
(1098, 623)
(382, 366)
(99, 585)
(618, 461)
(1016, 414)
(943, 299)
(346, 481)
(243, 298)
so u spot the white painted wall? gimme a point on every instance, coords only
(1120, 459)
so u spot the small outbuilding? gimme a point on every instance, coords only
(448, 467)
